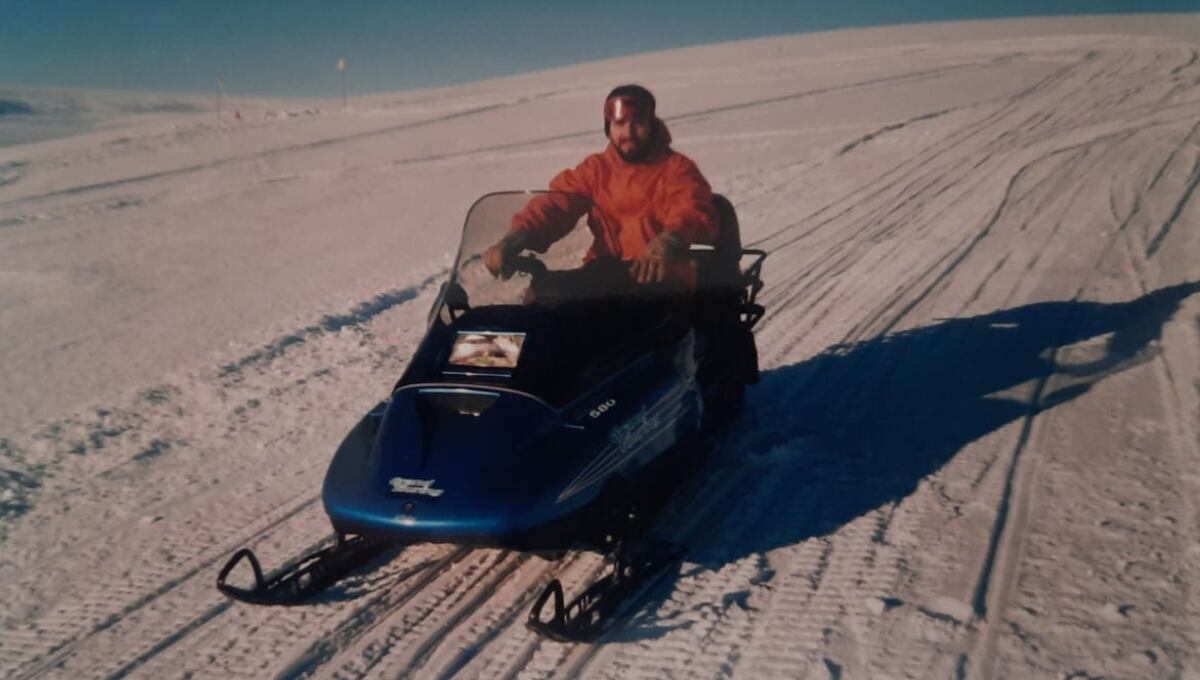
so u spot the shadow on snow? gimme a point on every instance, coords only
(827, 440)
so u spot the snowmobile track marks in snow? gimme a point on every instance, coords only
(401, 577)
(1007, 200)
(371, 614)
(402, 639)
(198, 571)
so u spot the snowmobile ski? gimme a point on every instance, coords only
(598, 607)
(310, 575)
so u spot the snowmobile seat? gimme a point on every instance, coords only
(729, 237)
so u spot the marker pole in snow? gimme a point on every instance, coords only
(342, 70)
(220, 91)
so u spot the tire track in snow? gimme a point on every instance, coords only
(697, 524)
(257, 640)
(513, 613)
(873, 188)
(62, 650)
(401, 640)
(1001, 566)
(155, 412)
(887, 192)
(789, 283)
(481, 618)
(507, 649)
(81, 623)
(366, 618)
(1003, 556)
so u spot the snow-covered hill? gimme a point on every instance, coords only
(973, 453)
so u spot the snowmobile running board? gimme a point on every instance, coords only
(310, 575)
(594, 611)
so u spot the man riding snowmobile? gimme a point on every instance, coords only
(560, 415)
(646, 203)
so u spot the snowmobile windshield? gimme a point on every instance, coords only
(491, 218)
(558, 325)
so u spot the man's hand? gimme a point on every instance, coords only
(498, 257)
(651, 265)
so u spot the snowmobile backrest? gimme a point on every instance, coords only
(722, 283)
(729, 237)
(718, 265)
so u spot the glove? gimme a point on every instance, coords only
(651, 265)
(497, 257)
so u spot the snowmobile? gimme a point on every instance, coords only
(550, 410)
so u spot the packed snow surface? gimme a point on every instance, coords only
(973, 452)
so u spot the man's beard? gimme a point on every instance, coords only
(636, 156)
(639, 153)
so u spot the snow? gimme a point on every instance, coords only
(973, 452)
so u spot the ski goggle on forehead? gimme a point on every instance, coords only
(622, 109)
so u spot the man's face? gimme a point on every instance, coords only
(631, 137)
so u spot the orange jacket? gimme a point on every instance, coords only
(628, 204)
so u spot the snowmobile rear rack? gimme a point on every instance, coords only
(751, 311)
(299, 582)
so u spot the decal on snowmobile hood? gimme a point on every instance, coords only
(630, 437)
(420, 487)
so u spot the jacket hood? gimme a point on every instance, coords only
(662, 136)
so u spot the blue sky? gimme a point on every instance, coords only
(291, 47)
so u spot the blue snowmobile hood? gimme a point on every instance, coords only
(452, 463)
